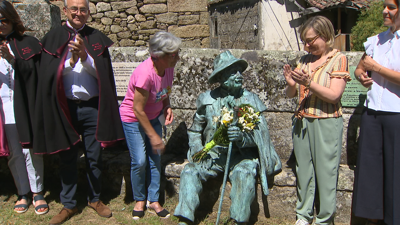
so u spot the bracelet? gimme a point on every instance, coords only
(379, 70)
(372, 69)
(309, 83)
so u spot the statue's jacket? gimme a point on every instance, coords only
(53, 128)
(209, 105)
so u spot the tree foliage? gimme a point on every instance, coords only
(369, 23)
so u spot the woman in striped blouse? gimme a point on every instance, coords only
(319, 81)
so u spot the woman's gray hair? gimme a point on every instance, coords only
(162, 43)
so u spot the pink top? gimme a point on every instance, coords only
(145, 77)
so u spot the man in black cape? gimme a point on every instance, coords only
(76, 96)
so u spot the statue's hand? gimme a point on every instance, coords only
(235, 134)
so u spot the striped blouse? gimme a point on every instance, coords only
(335, 66)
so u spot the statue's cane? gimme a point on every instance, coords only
(228, 159)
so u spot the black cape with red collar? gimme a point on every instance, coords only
(53, 129)
(26, 51)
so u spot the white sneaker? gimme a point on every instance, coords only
(301, 222)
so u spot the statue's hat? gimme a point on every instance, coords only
(223, 61)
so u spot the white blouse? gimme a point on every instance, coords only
(7, 90)
(384, 48)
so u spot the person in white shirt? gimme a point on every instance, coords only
(377, 177)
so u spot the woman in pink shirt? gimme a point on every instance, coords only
(143, 112)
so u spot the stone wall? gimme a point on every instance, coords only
(264, 77)
(133, 22)
(235, 24)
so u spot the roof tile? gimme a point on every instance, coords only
(322, 4)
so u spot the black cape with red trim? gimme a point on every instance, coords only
(26, 51)
(53, 129)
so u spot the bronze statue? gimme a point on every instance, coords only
(223, 139)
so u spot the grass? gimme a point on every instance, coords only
(120, 204)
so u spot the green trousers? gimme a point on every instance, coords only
(317, 146)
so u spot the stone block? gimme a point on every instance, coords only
(107, 29)
(205, 42)
(126, 43)
(132, 10)
(123, 4)
(147, 32)
(98, 15)
(187, 5)
(98, 26)
(116, 28)
(140, 18)
(148, 24)
(153, 8)
(132, 27)
(188, 19)
(106, 21)
(113, 37)
(140, 43)
(191, 43)
(124, 35)
(103, 7)
(122, 15)
(168, 18)
(40, 18)
(204, 18)
(92, 7)
(111, 14)
(190, 31)
(154, 1)
(130, 19)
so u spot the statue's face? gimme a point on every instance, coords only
(232, 77)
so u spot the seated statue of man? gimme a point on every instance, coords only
(252, 151)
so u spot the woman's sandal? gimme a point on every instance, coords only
(39, 197)
(137, 214)
(23, 206)
(163, 214)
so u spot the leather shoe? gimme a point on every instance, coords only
(100, 208)
(63, 216)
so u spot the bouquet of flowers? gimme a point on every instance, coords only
(247, 122)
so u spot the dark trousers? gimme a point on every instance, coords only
(84, 120)
(377, 180)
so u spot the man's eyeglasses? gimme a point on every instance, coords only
(4, 21)
(76, 9)
(311, 41)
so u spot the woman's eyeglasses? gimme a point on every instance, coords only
(311, 41)
(4, 21)
(175, 54)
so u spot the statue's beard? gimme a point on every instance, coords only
(232, 87)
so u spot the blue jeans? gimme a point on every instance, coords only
(145, 165)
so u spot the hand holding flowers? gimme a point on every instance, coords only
(230, 130)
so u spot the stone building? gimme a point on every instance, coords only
(131, 23)
(274, 24)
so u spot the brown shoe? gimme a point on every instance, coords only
(63, 216)
(100, 208)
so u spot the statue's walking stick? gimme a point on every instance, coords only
(228, 159)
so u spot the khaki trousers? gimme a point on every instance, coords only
(317, 146)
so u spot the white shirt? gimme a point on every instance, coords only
(80, 82)
(7, 89)
(384, 48)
